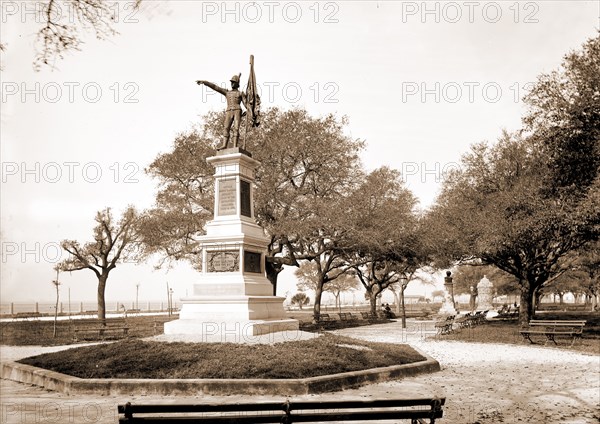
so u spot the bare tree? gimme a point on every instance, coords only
(65, 22)
(112, 244)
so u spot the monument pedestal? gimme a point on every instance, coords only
(448, 307)
(233, 298)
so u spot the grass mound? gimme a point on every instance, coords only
(327, 354)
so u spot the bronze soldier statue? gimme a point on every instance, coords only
(234, 114)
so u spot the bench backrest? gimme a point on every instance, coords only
(327, 410)
(558, 323)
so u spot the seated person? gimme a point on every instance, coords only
(388, 311)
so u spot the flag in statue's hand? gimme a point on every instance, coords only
(252, 97)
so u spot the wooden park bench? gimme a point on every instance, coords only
(370, 316)
(347, 317)
(445, 326)
(480, 317)
(464, 321)
(416, 410)
(28, 315)
(95, 330)
(508, 312)
(475, 319)
(325, 320)
(553, 329)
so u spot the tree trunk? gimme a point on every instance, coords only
(526, 306)
(373, 302)
(403, 307)
(561, 298)
(373, 298)
(318, 295)
(273, 271)
(338, 303)
(101, 302)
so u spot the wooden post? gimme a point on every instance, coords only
(37, 308)
(12, 308)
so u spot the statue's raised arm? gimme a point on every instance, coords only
(213, 86)
(233, 114)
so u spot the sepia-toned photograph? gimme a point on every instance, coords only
(300, 211)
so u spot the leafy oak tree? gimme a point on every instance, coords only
(526, 203)
(563, 116)
(383, 245)
(496, 211)
(113, 243)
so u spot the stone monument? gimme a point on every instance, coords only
(485, 294)
(448, 307)
(233, 296)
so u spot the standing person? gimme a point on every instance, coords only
(233, 114)
(472, 298)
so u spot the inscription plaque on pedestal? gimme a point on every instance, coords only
(245, 207)
(252, 262)
(227, 197)
(223, 261)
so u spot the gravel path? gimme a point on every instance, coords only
(483, 383)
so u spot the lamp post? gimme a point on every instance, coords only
(449, 288)
(137, 290)
(170, 301)
(56, 284)
(403, 284)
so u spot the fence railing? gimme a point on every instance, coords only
(81, 308)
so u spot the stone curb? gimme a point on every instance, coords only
(67, 384)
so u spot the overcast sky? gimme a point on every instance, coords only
(420, 82)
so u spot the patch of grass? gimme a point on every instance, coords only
(327, 354)
(508, 332)
(40, 333)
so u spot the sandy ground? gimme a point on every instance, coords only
(482, 383)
